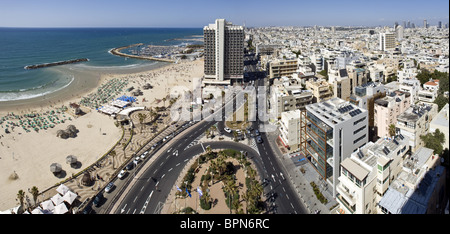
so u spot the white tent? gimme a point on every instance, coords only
(69, 197)
(61, 209)
(37, 211)
(47, 205)
(57, 199)
(62, 189)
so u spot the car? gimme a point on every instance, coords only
(129, 166)
(121, 174)
(259, 139)
(136, 160)
(144, 155)
(98, 199)
(227, 130)
(256, 132)
(109, 187)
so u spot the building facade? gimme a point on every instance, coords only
(387, 41)
(330, 131)
(223, 52)
(387, 109)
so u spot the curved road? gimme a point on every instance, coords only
(151, 189)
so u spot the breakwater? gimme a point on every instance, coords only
(56, 63)
(116, 51)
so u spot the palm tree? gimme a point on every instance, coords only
(142, 117)
(230, 188)
(113, 155)
(34, 193)
(164, 101)
(20, 197)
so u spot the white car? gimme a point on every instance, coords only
(227, 130)
(136, 160)
(144, 155)
(121, 174)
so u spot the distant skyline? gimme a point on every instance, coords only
(198, 13)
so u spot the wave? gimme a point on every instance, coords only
(28, 94)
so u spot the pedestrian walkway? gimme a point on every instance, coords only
(300, 176)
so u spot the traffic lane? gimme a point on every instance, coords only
(286, 199)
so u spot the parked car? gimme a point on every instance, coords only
(144, 155)
(109, 187)
(121, 174)
(136, 160)
(256, 132)
(98, 199)
(227, 130)
(129, 166)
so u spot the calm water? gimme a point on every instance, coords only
(26, 46)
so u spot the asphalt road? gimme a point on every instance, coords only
(151, 189)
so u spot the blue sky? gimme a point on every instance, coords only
(197, 13)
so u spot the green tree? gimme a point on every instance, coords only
(392, 130)
(434, 141)
(441, 100)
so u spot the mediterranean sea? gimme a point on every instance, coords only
(20, 47)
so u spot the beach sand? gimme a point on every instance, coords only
(30, 155)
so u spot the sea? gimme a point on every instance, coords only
(20, 47)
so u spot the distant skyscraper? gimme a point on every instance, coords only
(387, 41)
(439, 24)
(224, 52)
(425, 25)
(409, 24)
(399, 32)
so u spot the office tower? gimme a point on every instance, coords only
(399, 31)
(439, 24)
(409, 24)
(224, 52)
(425, 25)
(387, 41)
(329, 132)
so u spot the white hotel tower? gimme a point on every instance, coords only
(224, 52)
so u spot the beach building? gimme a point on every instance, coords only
(420, 188)
(330, 131)
(387, 109)
(415, 122)
(223, 53)
(367, 173)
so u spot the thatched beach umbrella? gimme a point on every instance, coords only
(55, 167)
(86, 180)
(71, 159)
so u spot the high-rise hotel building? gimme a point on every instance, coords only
(223, 53)
(330, 131)
(387, 41)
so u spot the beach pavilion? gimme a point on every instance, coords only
(109, 110)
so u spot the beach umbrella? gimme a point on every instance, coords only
(47, 205)
(61, 209)
(69, 197)
(55, 167)
(71, 159)
(62, 189)
(57, 199)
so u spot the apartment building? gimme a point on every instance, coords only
(387, 109)
(420, 188)
(367, 173)
(330, 131)
(415, 121)
(320, 90)
(290, 129)
(280, 68)
(223, 53)
(440, 121)
(287, 94)
(387, 41)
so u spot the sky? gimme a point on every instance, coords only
(198, 13)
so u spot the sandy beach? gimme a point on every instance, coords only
(29, 154)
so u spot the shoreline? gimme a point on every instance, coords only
(29, 154)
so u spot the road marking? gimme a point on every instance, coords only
(170, 169)
(177, 164)
(123, 209)
(163, 176)
(145, 204)
(142, 188)
(157, 183)
(186, 160)
(292, 206)
(135, 198)
(161, 163)
(287, 196)
(169, 150)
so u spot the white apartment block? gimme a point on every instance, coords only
(223, 52)
(419, 188)
(367, 173)
(415, 122)
(387, 41)
(290, 129)
(330, 131)
(287, 94)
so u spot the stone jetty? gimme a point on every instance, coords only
(56, 63)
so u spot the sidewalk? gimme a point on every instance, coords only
(301, 174)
